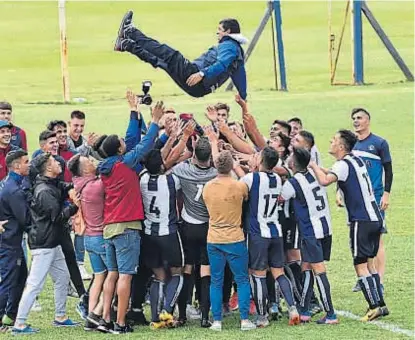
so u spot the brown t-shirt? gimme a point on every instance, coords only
(224, 197)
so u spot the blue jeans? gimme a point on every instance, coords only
(79, 248)
(236, 254)
(95, 246)
(123, 252)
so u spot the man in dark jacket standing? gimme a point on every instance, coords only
(200, 77)
(49, 216)
(15, 209)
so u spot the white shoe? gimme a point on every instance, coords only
(36, 307)
(262, 321)
(216, 326)
(247, 325)
(71, 291)
(84, 274)
(192, 313)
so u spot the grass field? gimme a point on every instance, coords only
(30, 79)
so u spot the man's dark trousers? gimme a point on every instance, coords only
(13, 275)
(163, 56)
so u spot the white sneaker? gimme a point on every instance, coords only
(247, 325)
(216, 326)
(36, 307)
(192, 313)
(84, 274)
(72, 292)
(262, 321)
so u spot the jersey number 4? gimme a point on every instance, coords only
(319, 198)
(153, 209)
(267, 205)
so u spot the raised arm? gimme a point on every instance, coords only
(323, 178)
(238, 144)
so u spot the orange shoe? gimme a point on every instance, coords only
(252, 308)
(233, 302)
(294, 317)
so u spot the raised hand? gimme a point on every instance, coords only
(189, 129)
(133, 101)
(2, 223)
(157, 112)
(92, 138)
(211, 134)
(211, 114)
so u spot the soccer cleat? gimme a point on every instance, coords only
(305, 317)
(226, 311)
(4, 329)
(356, 287)
(293, 316)
(247, 325)
(192, 313)
(122, 329)
(66, 323)
(216, 326)
(274, 311)
(126, 25)
(105, 327)
(262, 321)
(233, 302)
(372, 314)
(205, 323)
(157, 325)
(328, 320)
(179, 323)
(315, 308)
(252, 308)
(121, 44)
(93, 318)
(72, 292)
(385, 311)
(167, 318)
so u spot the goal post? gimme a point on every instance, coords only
(64, 50)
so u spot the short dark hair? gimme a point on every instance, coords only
(295, 120)
(269, 157)
(97, 146)
(230, 24)
(5, 106)
(203, 149)
(40, 162)
(301, 158)
(154, 162)
(308, 136)
(224, 162)
(77, 114)
(74, 165)
(13, 156)
(54, 123)
(348, 138)
(45, 135)
(284, 124)
(222, 106)
(359, 109)
(110, 146)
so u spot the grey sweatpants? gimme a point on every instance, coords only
(45, 261)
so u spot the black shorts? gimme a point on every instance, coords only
(194, 243)
(163, 251)
(364, 239)
(290, 234)
(265, 252)
(314, 250)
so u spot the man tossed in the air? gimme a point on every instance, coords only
(200, 77)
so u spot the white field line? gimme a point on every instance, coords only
(388, 326)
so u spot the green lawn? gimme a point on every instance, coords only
(30, 77)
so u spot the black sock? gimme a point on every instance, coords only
(197, 285)
(227, 284)
(259, 292)
(173, 290)
(296, 279)
(378, 289)
(286, 289)
(368, 289)
(156, 299)
(182, 301)
(277, 293)
(190, 288)
(271, 288)
(205, 296)
(308, 291)
(325, 293)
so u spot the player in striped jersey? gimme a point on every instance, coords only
(313, 217)
(364, 216)
(265, 243)
(162, 247)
